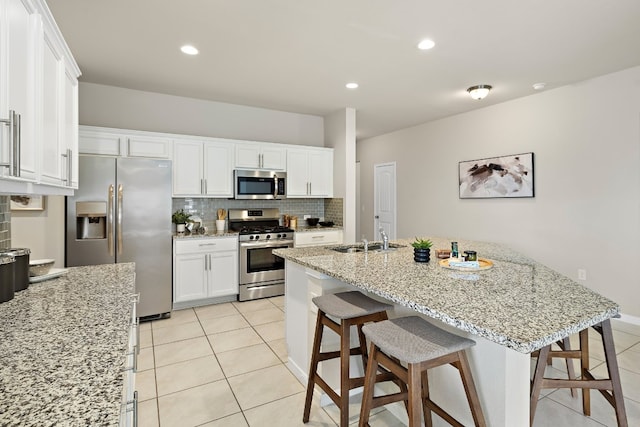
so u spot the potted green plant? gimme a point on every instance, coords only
(180, 218)
(422, 250)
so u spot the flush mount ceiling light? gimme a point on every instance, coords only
(189, 50)
(351, 85)
(479, 91)
(426, 44)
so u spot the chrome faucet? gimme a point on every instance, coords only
(385, 239)
(365, 242)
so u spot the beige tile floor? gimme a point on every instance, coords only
(225, 366)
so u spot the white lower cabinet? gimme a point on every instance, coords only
(317, 238)
(205, 271)
(129, 405)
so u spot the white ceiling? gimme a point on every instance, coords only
(297, 55)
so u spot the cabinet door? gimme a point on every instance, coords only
(190, 277)
(248, 155)
(273, 157)
(70, 128)
(147, 146)
(321, 173)
(297, 173)
(101, 143)
(218, 169)
(52, 169)
(19, 27)
(223, 274)
(187, 168)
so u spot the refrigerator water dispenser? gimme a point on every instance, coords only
(91, 219)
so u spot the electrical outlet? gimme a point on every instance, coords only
(582, 274)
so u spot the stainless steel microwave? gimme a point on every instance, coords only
(259, 185)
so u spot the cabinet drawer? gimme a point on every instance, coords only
(313, 238)
(194, 246)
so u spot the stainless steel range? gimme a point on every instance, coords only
(261, 272)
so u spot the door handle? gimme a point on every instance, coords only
(119, 225)
(110, 220)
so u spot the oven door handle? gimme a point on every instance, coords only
(264, 244)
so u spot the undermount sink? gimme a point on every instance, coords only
(373, 247)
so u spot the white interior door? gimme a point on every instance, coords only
(384, 199)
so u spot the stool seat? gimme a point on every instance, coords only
(348, 305)
(413, 339)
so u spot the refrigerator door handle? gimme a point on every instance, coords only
(110, 220)
(119, 214)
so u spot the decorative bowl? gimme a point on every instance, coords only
(39, 267)
(312, 221)
(326, 223)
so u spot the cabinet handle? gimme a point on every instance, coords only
(207, 244)
(67, 155)
(317, 237)
(309, 188)
(17, 122)
(205, 186)
(14, 152)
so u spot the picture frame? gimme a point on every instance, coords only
(509, 176)
(27, 203)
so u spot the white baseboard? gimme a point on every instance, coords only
(627, 318)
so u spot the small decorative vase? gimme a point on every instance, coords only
(421, 255)
(180, 228)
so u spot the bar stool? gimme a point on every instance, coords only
(351, 309)
(610, 388)
(422, 346)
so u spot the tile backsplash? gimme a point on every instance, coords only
(207, 208)
(5, 222)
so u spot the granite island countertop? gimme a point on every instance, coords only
(62, 348)
(518, 303)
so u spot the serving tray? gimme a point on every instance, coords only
(52, 274)
(485, 264)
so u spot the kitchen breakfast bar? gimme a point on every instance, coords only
(510, 310)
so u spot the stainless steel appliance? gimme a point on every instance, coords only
(122, 213)
(261, 272)
(266, 185)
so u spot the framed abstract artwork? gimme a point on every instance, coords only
(496, 177)
(27, 203)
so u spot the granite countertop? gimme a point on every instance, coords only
(307, 228)
(180, 236)
(518, 303)
(62, 347)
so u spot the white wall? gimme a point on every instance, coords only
(41, 231)
(116, 107)
(586, 211)
(340, 131)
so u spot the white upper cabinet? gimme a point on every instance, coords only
(203, 168)
(309, 172)
(253, 155)
(124, 143)
(38, 102)
(19, 28)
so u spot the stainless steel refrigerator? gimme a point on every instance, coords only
(120, 213)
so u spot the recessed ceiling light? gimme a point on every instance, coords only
(539, 86)
(352, 85)
(426, 44)
(189, 50)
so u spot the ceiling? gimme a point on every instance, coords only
(297, 55)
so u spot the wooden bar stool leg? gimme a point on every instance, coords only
(470, 389)
(415, 394)
(614, 373)
(538, 377)
(345, 354)
(584, 370)
(565, 344)
(426, 410)
(315, 352)
(369, 386)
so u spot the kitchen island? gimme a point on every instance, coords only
(62, 348)
(510, 310)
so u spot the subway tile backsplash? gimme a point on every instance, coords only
(5, 222)
(207, 208)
